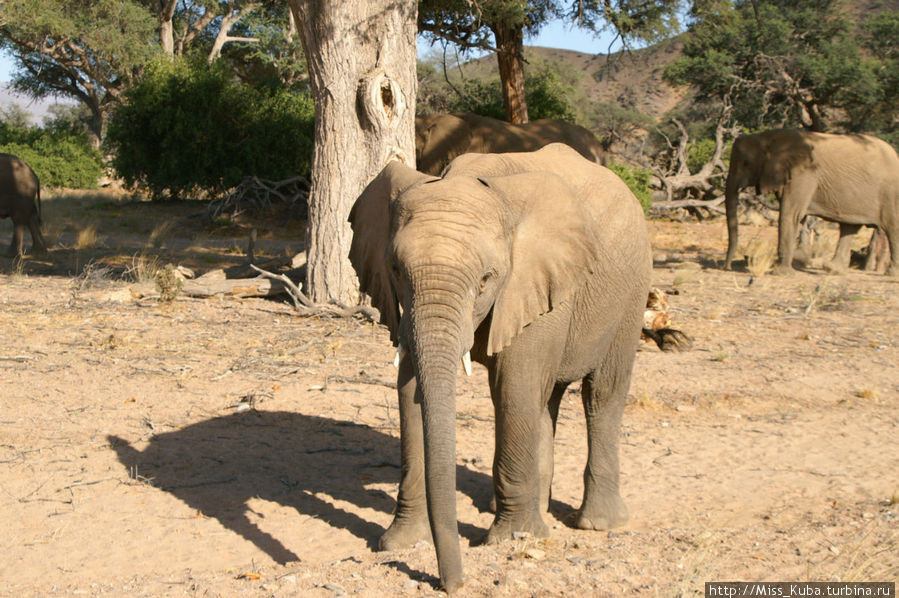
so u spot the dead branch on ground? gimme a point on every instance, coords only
(258, 195)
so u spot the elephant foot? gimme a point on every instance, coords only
(893, 271)
(406, 532)
(504, 528)
(835, 267)
(610, 513)
(784, 270)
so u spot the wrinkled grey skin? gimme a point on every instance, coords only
(849, 179)
(20, 199)
(440, 138)
(539, 264)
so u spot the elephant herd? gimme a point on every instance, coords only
(513, 246)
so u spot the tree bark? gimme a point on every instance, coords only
(165, 12)
(362, 65)
(510, 56)
(229, 20)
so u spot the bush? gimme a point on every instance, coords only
(549, 95)
(189, 126)
(637, 180)
(59, 154)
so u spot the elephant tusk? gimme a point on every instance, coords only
(466, 363)
(400, 352)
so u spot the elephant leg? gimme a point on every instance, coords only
(38, 245)
(522, 419)
(793, 206)
(18, 240)
(808, 230)
(547, 435)
(410, 521)
(840, 261)
(892, 234)
(604, 394)
(878, 251)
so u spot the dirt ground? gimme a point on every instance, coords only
(221, 447)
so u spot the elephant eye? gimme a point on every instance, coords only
(485, 279)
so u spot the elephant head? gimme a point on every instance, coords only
(438, 139)
(448, 260)
(765, 161)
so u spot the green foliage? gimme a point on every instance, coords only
(637, 180)
(550, 89)
(611, 122)
(787, 62)
(190, 126)
(699, 153)
(60, 154)
(84, 49)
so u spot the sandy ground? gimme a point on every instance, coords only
(225, 447)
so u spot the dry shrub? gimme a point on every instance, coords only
(760, 258)
(143, 268)
(160, 233)
(168, 283)
(87, 237)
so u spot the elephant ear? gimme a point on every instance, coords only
(786, 151)
(370, 221)
(554, 245)
(445, 137)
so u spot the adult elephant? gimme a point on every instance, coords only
(536, 265)
(849, 179)
(20, 199)
(440, 138)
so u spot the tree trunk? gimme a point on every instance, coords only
(165, 11)
(362, 65)
(510, 55)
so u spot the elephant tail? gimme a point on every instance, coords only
(37, 199)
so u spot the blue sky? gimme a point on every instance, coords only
(555, 35)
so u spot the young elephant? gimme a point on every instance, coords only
(20, 199)
(536, 265)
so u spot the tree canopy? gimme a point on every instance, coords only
(95, 50)
(791, 63)
(470, 25)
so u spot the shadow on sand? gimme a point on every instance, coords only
(218, 465)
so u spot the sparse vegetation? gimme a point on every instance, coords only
(168, 283)
(87, 237)
(760, 257)
(143, 268)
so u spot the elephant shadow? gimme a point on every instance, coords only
(216, 466)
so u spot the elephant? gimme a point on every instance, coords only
(536, 265)
(20, 199)
(849, 179)
(441, 137)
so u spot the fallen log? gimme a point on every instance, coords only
(215, 283)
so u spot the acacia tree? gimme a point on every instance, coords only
(63, 48)
(185, 23)
(782, 62)
(362, 64)
(470, 24)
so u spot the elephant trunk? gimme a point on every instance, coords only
(436, 347)
(731, 199)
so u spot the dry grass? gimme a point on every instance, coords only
(143, 268)
(87, 237)
(760, 258)
(160, 233)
